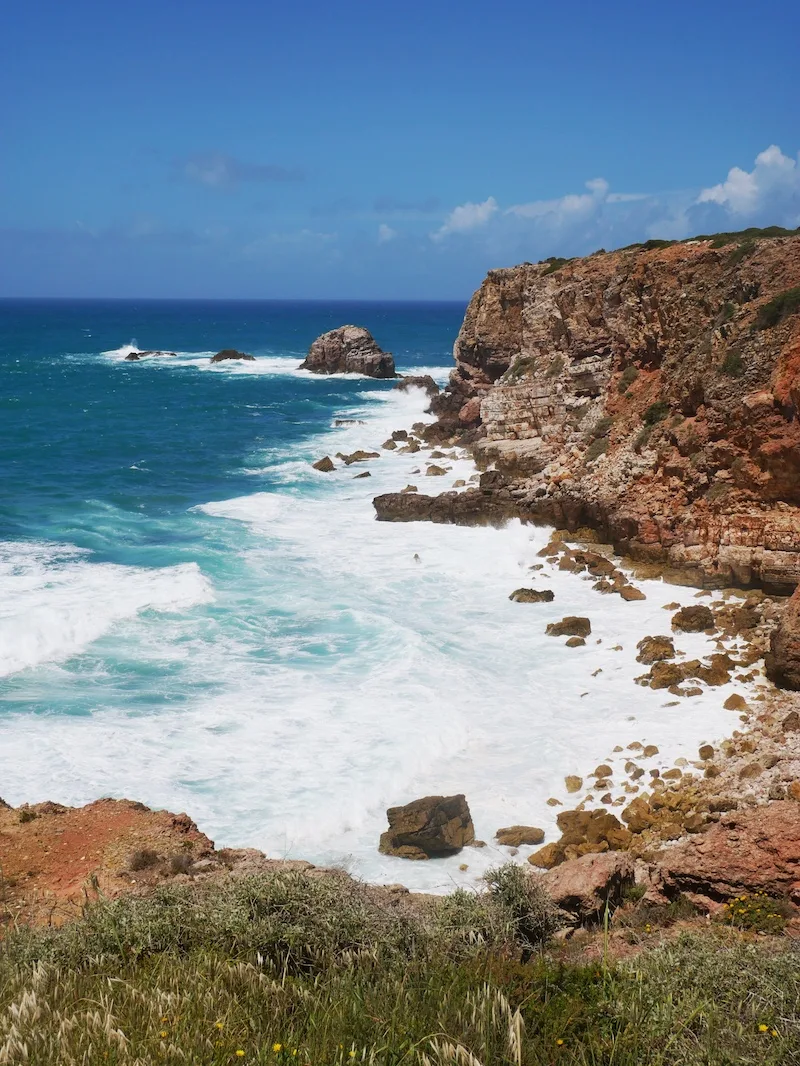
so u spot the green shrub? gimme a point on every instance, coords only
(655, 242)
(732, 364)
(521, 366)
(556, 366)
(741, 252)
(596, 449)
(627, 378)
(554, 263)
(759, 913)
(656, 412)
(602, 426)
(642, 438)
(532, 914)
(780, 307)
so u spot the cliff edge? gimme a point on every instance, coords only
(650, 393)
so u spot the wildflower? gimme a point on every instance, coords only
(163, 1020)
(352, 1054)
(559, 1042)
(763, 1028)
(219, 1025)
(277, 1047)
(774, 1032)
(163, 1034)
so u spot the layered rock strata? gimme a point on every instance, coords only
(651, 394)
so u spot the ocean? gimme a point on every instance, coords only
(194, 617)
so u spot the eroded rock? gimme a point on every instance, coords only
(433, 825)
(348, 350)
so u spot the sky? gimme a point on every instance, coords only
(367, 150)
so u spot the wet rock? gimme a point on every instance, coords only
(693, 619)
(418, 381)
(435, 471)
(231, 353)
(570, 626)
(532, 596)
(389, 445)
(132, 357)
(325, 464)
(515, 835)
(583, 833)
(472, 507)
(735, 702)
(706, 752)
(348, 350)
(357, 457)
(574, 642)
(433, 825)
(573, 783)
(655, 649)
(364, 473)
(583, 887)
(630, 593)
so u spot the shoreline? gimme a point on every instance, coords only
(736, 757)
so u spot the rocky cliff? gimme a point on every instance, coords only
(651, 393)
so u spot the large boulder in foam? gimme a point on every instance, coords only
(433, 825)
(348, 350)
(231, 353)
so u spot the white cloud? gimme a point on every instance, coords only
(386, 233)
(467, 217)
(565, 208)
(774, 180)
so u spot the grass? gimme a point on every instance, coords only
(296, 969)
(780, 307)
(656, 412)
(554, 263)
(732, 364)
(627, 378)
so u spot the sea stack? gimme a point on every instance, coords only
(349, 350)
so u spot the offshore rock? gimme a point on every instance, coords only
(231, 353)
(532, 596)
(515, 835)
(434, 825)
(132, 357)
(571, 626)
(471, 507)
(348, 350)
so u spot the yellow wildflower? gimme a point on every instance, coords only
(774, 1032)
(277, 1047)
(352, 1054)
(219, 1025)
(163, 1034)
(559, 1042)
(763, 1028)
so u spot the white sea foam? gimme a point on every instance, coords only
(398, 667)
(56, 601)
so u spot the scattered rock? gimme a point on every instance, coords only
(583, 833)
(693, 619)
(516, 835)
(435, 471)
(433, 825)
(571, 626)
(575, 642)
(630, 592)
(325, 464)
(735, 703)
(348, 350)
(573, 783)
(655, 649)
(132, 357)
(389, 445)
(364, 473)
(357, 457)
(532, 596)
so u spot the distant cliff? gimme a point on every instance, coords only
(651, 393)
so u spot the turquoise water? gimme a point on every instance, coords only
(191, 616)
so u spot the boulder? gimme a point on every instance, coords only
(515, 835)
(433, 825)
(630, 593)
(693, 619)
(532, 596)
(571, 626)
(348, 350)
(435, 471)
(231, 353)
(357, 457)
(325, 464)
(132, 357)
(470, 411)
(752, 850)
(654, 650)
(582, 887)
(783, 660)
(471, 507)
(418, 381)
(583, 833)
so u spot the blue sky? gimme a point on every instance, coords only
(369, 150)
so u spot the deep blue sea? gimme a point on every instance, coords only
(192, 616)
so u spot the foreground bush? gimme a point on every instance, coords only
(321, 973)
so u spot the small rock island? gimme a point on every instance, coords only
(349, 350)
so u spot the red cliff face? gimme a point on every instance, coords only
(652, 394)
